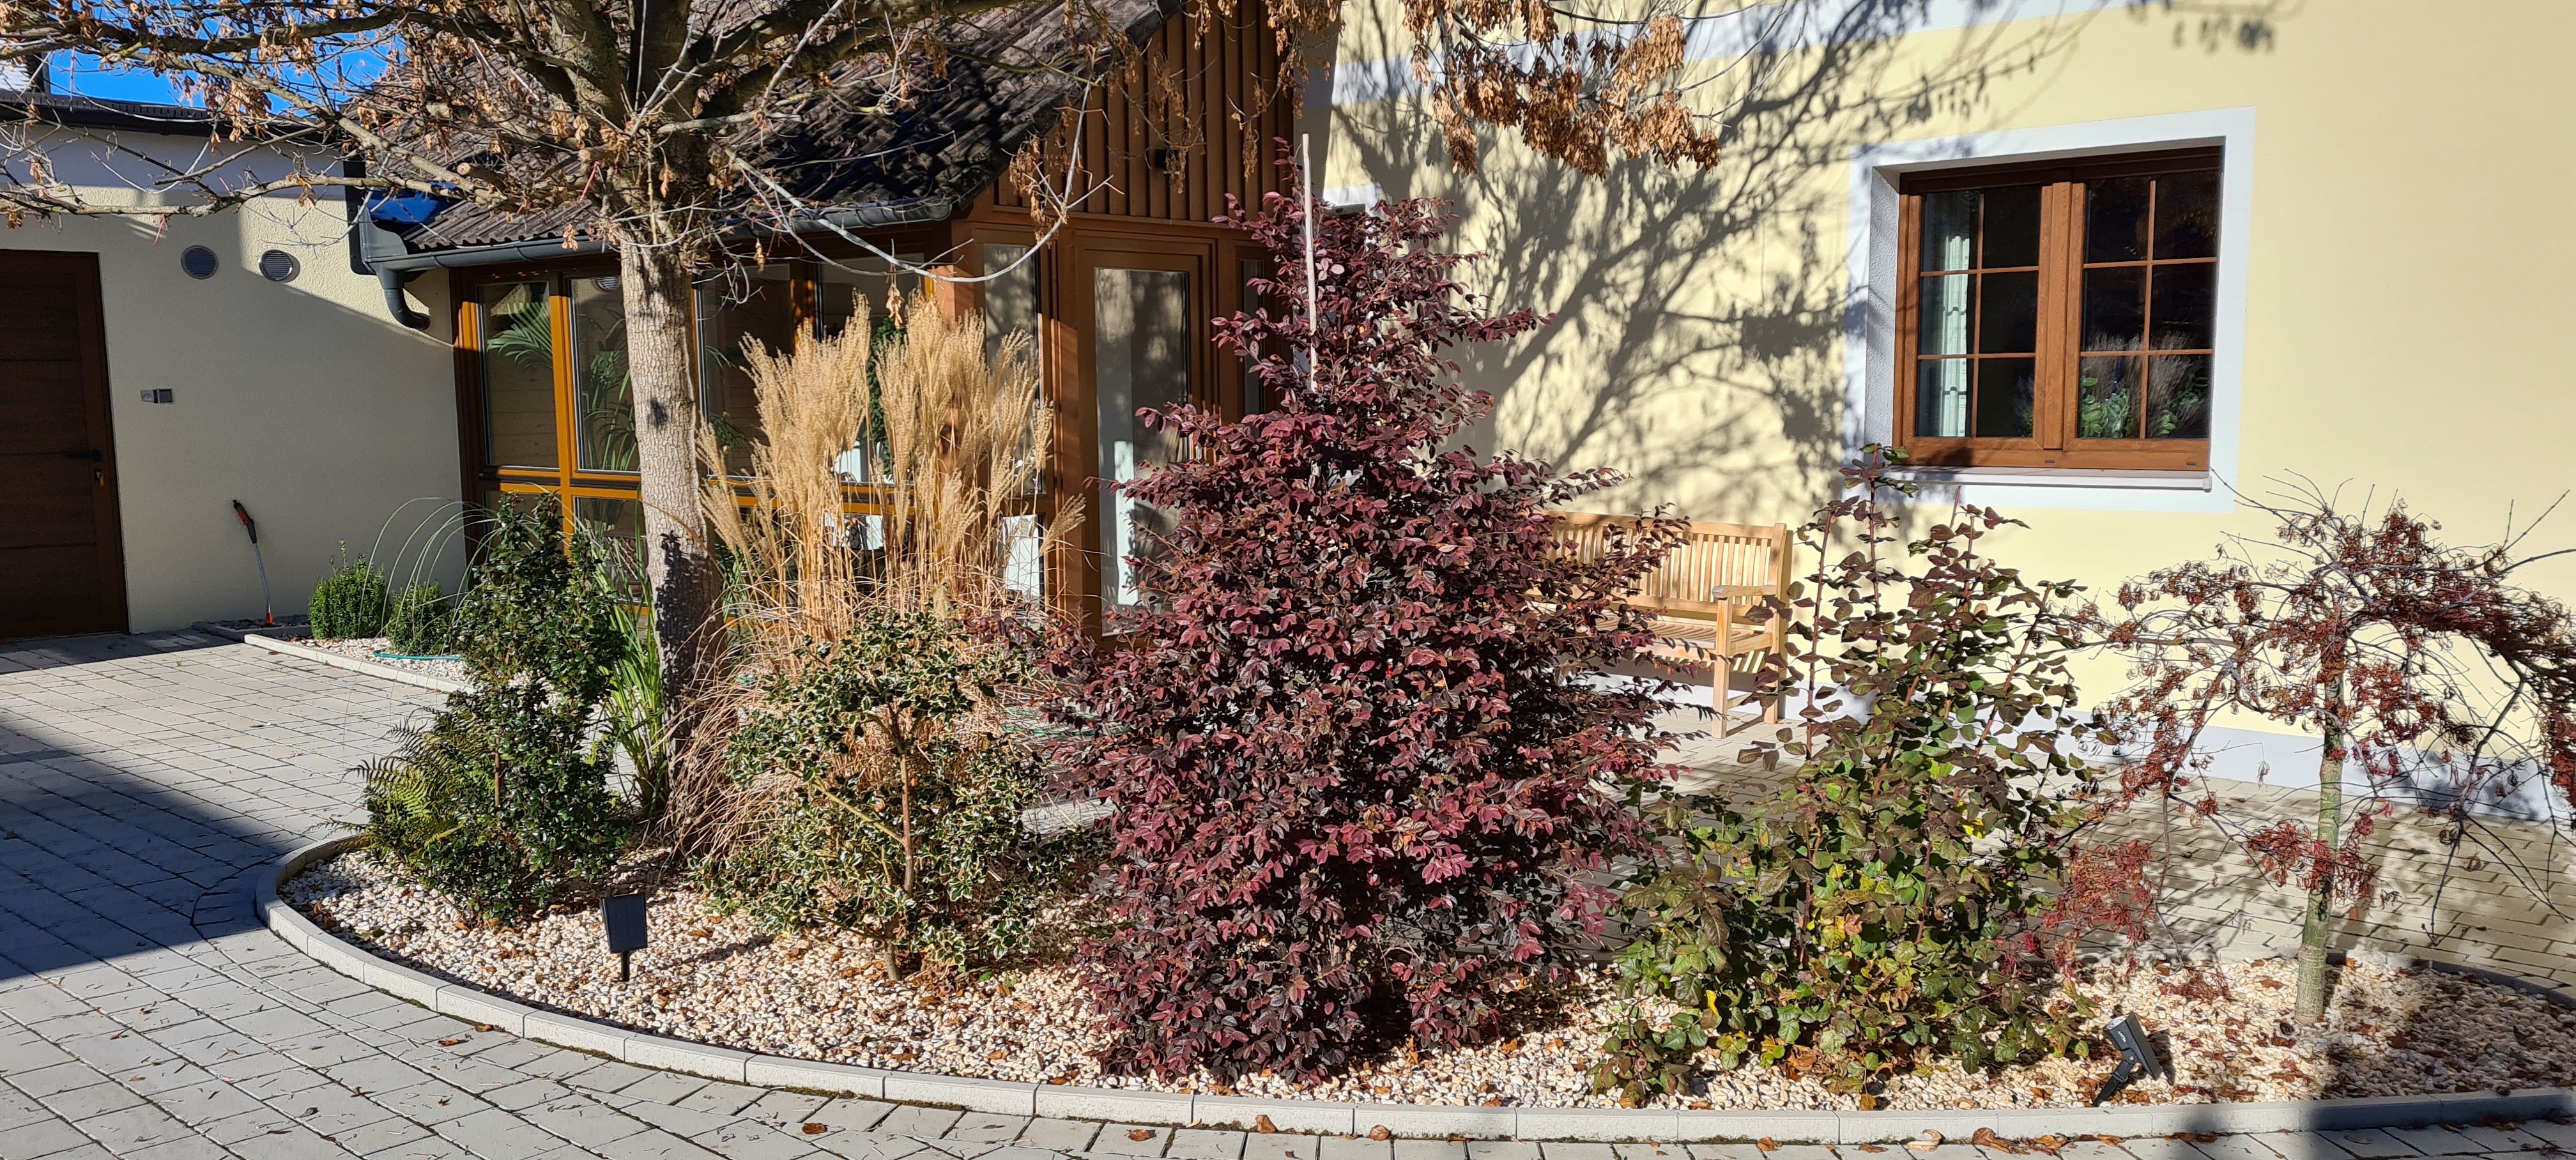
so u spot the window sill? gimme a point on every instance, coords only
(2099, 479)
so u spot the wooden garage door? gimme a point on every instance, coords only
(61, 567)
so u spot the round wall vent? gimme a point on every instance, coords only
(279, 266)
(198, 261)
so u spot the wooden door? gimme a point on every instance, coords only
(1140, 313)
(62, 565)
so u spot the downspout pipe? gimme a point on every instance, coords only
(395, 263)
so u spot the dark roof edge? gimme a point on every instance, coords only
(101, 113)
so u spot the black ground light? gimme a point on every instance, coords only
(624, 918)
(2137, 1056)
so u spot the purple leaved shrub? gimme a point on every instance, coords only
(1364, 785)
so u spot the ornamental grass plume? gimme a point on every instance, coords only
(863, 768)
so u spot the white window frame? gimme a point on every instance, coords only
(1869, 318)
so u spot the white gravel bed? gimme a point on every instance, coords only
(366, 648)
(720, 979)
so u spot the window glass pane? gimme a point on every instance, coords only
(2106, 398)
(2184, 299)
(1141, 332)
(1948, 306)
(2012, 226)
(1247, 270)
(517, 325)
(1011, 300)
(2187, 215)
(623, 518)
(2178, 397)
(2004, 393)
(2115, 308)
(1950, 230)
(841, 284)
(2115, 219)
(603, 395)
(748, 304)
(1941, 399)
(2010, 321)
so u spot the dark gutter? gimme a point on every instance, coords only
(395, 262)
(101, 113)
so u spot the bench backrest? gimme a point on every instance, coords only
(1715, 555)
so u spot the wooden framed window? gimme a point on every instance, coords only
(2059, 315)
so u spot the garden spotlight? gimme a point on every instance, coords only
(624, 918)
(2137, 1056)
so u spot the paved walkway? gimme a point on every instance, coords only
(144, 1012)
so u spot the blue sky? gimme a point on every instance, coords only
(81, 73)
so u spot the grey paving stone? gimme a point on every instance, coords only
(1124, 1139)
(917, 1121)
(724, 1099)
(1502, 1150)
(1282, 1146)
(183, 1148)
(380, 1136)
(1561, 1150)
(497, 1135)
(1068, 1135)
(985, 1127)
(1437, 1150)
(1214, 1144)
(96, 1099)
(41, 1138)
(860, 1115)
(2239, 1148)
(428, 1103)
(2437, 1141)
(131, 1129)
(660, 1087)
(205, 1101)
(784, 1107)
(608, 1076)
(53, 1081)
(753, 1140)
(1337, 1148)
(653, 1144)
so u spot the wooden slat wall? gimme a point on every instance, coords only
(1216, 65)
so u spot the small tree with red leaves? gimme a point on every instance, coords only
(2410, 660)
(1361, 778)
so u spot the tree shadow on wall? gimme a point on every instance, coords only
(1699, 343)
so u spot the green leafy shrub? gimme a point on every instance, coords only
(896, 781)
(1886, 904)
(350, 602)
(502, 804)
(534, 606)
(420, 621)
(499, 805)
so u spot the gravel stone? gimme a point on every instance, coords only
(716, 977)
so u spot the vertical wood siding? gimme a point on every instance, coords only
(1173, 134)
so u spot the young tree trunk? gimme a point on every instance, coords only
(678, 562)
(2318, 929)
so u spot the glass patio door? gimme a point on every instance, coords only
(1145, 351)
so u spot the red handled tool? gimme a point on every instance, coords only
(267, 606)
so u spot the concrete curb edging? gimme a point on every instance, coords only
(1346, 1117)
(326, 656)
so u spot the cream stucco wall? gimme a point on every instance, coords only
(300, 399)
(2406, 262)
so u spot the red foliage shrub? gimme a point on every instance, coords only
(1355, 763)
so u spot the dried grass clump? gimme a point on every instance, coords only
(955, 438)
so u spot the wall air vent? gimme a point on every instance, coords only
(198, 261)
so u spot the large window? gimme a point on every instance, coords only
(2060, 316)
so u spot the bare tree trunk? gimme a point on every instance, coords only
(2318, 929)
(678, 561)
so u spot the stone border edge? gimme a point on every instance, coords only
(1345, 1117)
(335, 660)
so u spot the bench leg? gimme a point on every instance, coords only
(1723, 691)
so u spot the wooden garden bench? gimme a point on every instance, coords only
(1702, 591)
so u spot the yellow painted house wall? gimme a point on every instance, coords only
(2406, 271)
